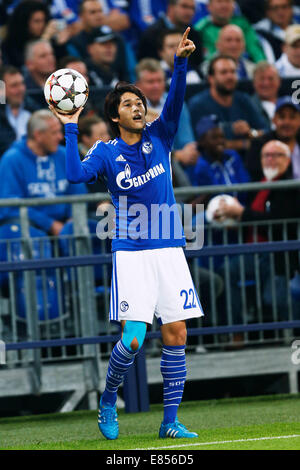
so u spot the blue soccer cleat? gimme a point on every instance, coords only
(108, 420)
(175, 430)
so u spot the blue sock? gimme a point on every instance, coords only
(120, 361)
(173, 370)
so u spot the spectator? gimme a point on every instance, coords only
(266, 83)
(15, 114)
(287, 130)
(31, 21)
(231, 42)
(143, 15)
(167, 48)
(35, 167)
(115, 13)
(91, 129)
(179, 15)
(95, 102)
(216, 164)
(152, 82)
(62, 11)
(266, 205)
(92, 16)
(40, 63)
(288, 65)
(221, 14)
(102, 65)
(202, 10)
(254, 11)
(271, 29)
(239, 117)
(75, 63)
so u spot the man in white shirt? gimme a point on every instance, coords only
(266, 83)
(15, 114)
(288, 65)
(279, 15)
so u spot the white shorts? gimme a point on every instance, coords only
(153, 282)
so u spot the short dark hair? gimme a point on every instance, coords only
(166, 32)
(9, 70)
(112, 101)
(268, 2)
(67, 59)
(81, 5)
(86, 123)
(211, 67)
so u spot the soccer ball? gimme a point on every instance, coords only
(213, 205)
(66, 90)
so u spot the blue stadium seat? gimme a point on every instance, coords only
(46, 288)
(295, 287)
(67, 244)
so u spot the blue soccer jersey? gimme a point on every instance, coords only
(138, 176)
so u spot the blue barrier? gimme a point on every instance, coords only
(135, 386)
(208, 330)
(92, 260)
(136, 393)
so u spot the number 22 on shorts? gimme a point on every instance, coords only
(189, 298)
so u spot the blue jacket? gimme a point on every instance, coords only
(24, 175)
(229, 171)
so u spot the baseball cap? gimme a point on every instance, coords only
(286, 101)
(292, 34)
(101, 35)
(205, 124)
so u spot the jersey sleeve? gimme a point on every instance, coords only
(173, 106)
(91, 167)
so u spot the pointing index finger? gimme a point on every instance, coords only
(186, 33)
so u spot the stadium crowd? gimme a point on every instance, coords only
(240, 122)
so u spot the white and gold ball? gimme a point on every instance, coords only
(66, 90)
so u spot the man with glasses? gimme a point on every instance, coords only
(288, 65)
(287, 129)
(266, 206)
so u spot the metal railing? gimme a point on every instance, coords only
(57, 288)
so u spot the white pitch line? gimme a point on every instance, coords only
(220, 442)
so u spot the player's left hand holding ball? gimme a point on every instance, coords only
(186, 47)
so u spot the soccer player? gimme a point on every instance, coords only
(150, 273)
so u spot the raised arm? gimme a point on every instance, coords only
(174, 102)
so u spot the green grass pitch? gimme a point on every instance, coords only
(256, 423)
